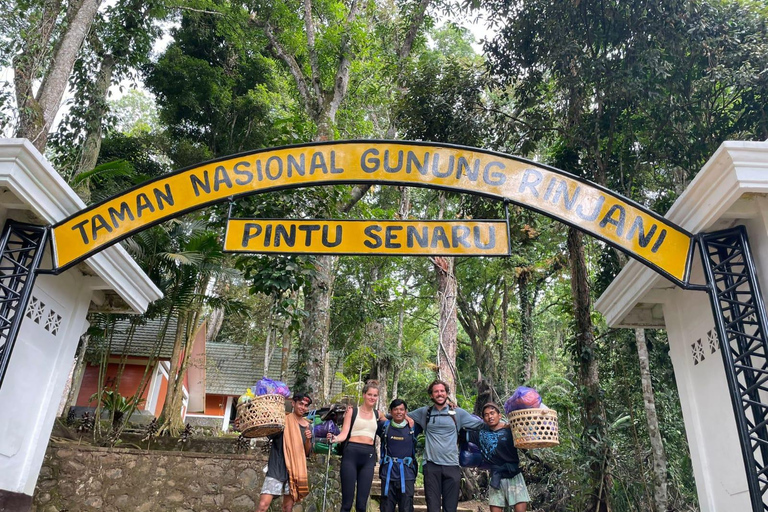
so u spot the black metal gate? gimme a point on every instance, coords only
(21, 249)
(740, 318)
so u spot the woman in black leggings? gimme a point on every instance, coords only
(359, 458)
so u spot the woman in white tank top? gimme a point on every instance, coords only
(359, 456)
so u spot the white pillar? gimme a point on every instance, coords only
(227, 415)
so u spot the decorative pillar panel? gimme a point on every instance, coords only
(44, 352)
(709, 422)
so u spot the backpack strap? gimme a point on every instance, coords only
(453, 417)
(351, 423)
(384, 439)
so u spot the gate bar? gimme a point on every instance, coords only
(21, 249)
(737, 305)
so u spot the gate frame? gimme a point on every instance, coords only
(750, 442)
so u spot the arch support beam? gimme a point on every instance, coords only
(21, 249)
(740, 319)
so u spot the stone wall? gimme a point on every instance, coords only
(85, 478)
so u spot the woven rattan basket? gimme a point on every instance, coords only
(261, 416)
(534, 428)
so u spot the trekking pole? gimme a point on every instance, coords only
(327, 467)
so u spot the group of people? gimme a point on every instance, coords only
(441, 424)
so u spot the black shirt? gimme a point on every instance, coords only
(276, 467)
(399, 444)
(498, 448)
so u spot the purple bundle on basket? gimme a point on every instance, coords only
(282, 389)
(321, 430)
(522, 398)
(267, 386)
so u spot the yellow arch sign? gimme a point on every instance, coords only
(628, 226)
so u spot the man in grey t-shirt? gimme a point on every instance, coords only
(441, 424)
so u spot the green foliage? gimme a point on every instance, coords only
(217, 88)
(116, 405)
(444, 101)
(134, 114)
(114, 402)
(633, 95)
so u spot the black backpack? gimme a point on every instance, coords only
(384, 440)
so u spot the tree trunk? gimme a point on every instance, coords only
(189, 329)
(286, 346)
(398, 364)
(478, 325)
(167, 414)
(383, 371)
(313, 346)
(94, 115)
(403, 212)
(584, 353)
(447, 328)
(271, 333)
(36, 114)
(503, 357)
(484, 394)
(525, 304)
(657, 445)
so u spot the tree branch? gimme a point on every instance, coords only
(202, 11)
(309, 27)
(413, 29)
(293, 66)
(341, 81)
(357, 193)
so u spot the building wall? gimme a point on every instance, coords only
(709, 420)
(161, 394)
(129, 382)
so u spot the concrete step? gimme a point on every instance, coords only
(423, 508)
(419, 500)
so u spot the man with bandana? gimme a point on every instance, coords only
(507, 486)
